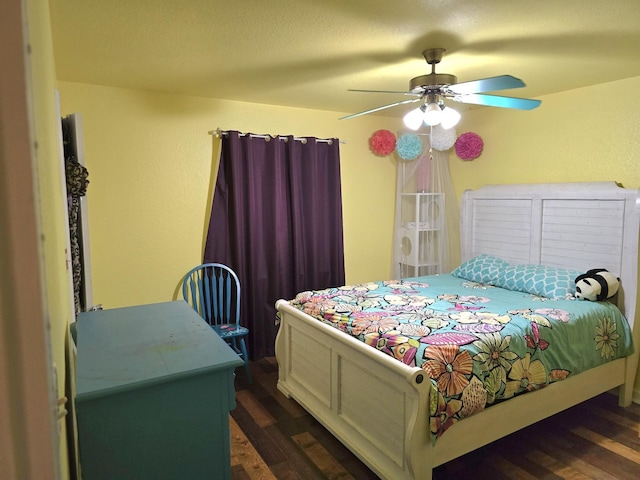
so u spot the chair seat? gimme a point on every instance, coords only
(227, 331)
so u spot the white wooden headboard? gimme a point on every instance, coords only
(573, 225)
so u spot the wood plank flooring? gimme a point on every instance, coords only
(272, 437)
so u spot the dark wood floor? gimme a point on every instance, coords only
(274, 438)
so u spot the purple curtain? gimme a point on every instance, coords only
(276, 220)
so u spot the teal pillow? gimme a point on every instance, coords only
(550, 282)
(481, 269)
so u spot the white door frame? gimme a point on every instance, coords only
(27, 426)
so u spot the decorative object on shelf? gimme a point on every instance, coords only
(469, 146)
(423, 173)
(442, 138)
(382, 142)
(409, 146)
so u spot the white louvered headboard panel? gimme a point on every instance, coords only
(583, 234)
(501, 227)
(573, 225)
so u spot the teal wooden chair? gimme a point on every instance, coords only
(213, 290)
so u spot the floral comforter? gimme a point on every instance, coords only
(478, 344)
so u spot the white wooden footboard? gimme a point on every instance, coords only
(374, 404)
(378, 407)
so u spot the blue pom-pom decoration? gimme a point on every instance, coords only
(409, 146)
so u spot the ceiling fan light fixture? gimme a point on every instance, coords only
(433, 88)
(450, 117)
(413, 118)
(433, 114)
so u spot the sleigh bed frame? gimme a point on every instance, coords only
(358, 393)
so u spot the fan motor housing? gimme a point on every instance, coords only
(430, 81)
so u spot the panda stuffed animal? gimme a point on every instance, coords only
(597, 284)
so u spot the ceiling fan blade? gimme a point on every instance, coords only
(414, 94)
(380, 108)
(501, 82)
(498, 101)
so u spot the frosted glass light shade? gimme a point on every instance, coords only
(433, 114)
(450, 118)
(413, 119)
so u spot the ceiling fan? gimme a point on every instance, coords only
(433, 88)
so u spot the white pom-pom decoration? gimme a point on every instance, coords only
(442, 139)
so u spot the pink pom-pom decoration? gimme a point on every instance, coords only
(469, 146)
(382, 142)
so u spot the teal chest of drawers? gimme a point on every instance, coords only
(154, 387)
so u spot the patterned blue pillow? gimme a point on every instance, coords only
(482, 269)
(550, 282)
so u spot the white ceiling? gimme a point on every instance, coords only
(308, 53)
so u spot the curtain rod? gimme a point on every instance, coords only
(219, 133)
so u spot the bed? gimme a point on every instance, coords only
(386, 409)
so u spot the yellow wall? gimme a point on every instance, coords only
(50, 194)
(149, 159)
(588, 134)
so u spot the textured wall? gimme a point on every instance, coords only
(149, 158)
(588, 134)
